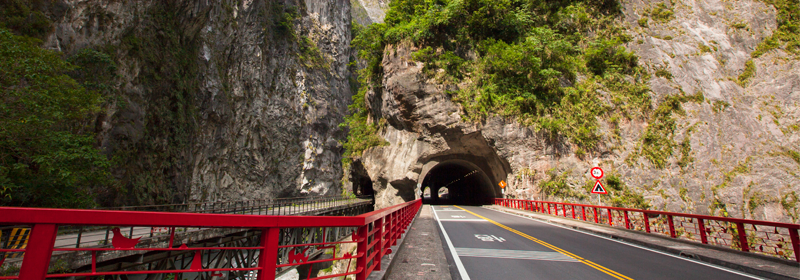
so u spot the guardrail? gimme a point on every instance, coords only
(769, 238)
(272, 206)
(83, 236)
(375, 233)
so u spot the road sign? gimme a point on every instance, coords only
(598, 188)
(502, 184)
(597, 172)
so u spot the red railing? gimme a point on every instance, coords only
(374, 234)
(763, 237)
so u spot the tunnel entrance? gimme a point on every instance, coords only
(465, 182)
(362, 184)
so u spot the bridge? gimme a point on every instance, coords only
(504, 239)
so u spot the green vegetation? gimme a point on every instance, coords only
(788, 33)
(719, 106)
(684, 194)
(663, 73)
(556, 186)
(739, 25)
(25, 18)
(717, 207)
(703, 48)
(794, 155)
(521, 60)
(789, 204)
(756, 199)
(662, 13)
(643, 22)
(47, 154)
(310, 54)
(363, 134)
(622, 196)
(657, 143)
(686, 148)
(749, 72)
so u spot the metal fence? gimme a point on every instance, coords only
(768, 238)
(374, 234)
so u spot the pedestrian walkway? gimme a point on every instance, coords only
(421, 255)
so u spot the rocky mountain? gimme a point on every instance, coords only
(733, 150)
(214, 100)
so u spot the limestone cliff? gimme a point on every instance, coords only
(735, 149)
(217, 100)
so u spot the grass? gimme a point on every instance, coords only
(787, 35)
(656, 143)
(749, 72)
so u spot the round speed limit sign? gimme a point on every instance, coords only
(597, 173)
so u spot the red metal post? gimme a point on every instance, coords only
(361, 262)
(573, 212)
(627, 222)
(742, 237)
(394, 228)
(701, 227)
(596, 221)
(38, 252)
(610, 218)
(671, 227)
(268, 257)
(548, 209)
(380, 244)
(564, 210)
(583, 213)
(646, 222)
(795, 243)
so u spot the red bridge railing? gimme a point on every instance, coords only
(374, 234)
(769, 238)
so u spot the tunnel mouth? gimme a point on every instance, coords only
(466, 183)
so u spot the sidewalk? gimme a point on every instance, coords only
(745, 262)
(421, 256)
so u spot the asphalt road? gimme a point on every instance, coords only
(486, 244)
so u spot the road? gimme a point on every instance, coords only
(487, 244)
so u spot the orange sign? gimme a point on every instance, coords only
(502, 184)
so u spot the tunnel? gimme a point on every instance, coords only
(466, 183)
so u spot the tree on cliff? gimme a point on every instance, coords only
(47, 153)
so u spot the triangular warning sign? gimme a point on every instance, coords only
(598, 188)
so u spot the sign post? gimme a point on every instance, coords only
(598, 188)
(502, 186)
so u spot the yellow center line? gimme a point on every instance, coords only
(554, 248)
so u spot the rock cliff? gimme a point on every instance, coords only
(217, 100)
(735, 150)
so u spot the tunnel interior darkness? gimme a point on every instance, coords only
(466, 183)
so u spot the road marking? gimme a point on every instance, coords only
(489, 238)
(449, 210)
(514, 254)
(459, 265)
(463, 220)
(637, 246)
(601, 268)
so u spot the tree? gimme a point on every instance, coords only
(47, 153)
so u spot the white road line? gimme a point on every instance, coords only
(464, 220)
(514, 254)
(450, 210)
(459, 265)
(640, 247)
